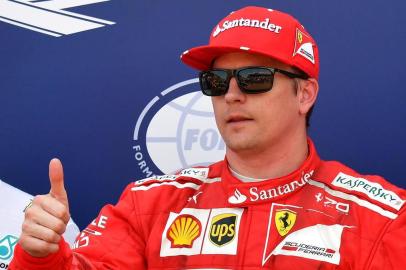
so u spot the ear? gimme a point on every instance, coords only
(307, 94)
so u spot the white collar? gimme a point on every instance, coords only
(243, 177)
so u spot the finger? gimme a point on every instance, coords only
(57, 181)
(40, 232)
(53, 207)
(36, 214)
(37, 247)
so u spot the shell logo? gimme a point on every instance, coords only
(183, 231)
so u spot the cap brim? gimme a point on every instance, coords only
(201, 58)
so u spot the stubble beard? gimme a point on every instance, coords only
(240, 143)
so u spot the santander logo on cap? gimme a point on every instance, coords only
(264, 24)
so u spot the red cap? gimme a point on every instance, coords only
(262, 31)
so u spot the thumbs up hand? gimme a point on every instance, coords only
(46, 219)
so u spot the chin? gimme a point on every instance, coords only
(238, 145)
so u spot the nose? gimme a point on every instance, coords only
(234, 93)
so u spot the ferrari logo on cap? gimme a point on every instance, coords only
(304, 46)
(299, 37)
(284, 221)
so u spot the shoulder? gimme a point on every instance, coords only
(190, 178)
(161, 192)
(371, 188)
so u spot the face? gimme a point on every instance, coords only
(255, 122)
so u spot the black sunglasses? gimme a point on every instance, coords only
(251, 80)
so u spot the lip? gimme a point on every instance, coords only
(237, 118)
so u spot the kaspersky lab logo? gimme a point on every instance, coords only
(49, 17)
(7, 247)
(177, 130)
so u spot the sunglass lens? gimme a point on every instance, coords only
(255, 80)
(213, 82)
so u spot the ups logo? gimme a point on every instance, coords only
(222, 229)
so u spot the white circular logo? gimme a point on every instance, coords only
(177, 130)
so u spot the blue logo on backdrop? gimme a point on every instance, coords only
(49, 17)
(7, 247)
(177, 130)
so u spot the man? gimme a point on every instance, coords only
(272, 203)
(13, 202)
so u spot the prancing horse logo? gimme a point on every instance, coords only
(284, 220)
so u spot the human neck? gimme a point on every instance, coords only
(277, 160)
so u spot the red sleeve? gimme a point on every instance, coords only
(391, 249)
(112, 241)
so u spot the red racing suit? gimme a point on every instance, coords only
(322, 216)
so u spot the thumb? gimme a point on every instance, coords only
(57, 183)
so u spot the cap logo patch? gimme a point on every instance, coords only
(264, 24)
(304, 46)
